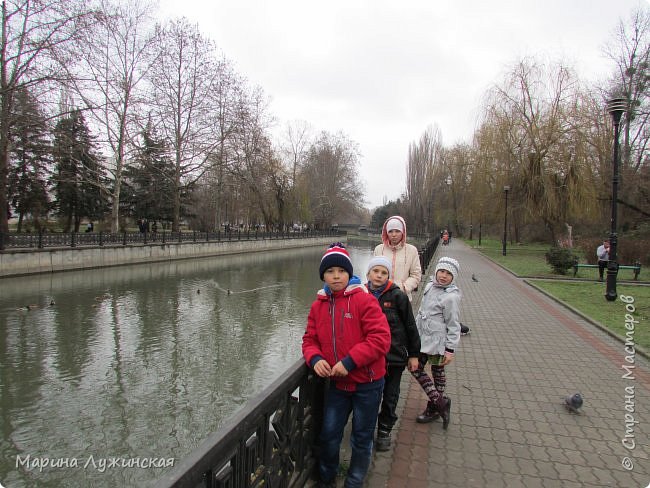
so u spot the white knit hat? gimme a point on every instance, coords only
(380, 261)
(394, 224)
(449, 264)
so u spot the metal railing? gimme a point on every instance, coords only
(77, 239)
(270, 443)
(427, 251)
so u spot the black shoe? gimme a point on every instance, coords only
(383, 441)
(445, 413)
(429, 415)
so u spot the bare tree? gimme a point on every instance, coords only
(255, 163)
(630, 51)
(114, 59)
(294, 145)
(182, 81)
(34, 34)
(420, 179)
(331, 177)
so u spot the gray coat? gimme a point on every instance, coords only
(438, 318)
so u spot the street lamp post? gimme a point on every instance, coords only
(506, 189)
(615, 107)
(448, 181)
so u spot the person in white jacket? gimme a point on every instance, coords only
(404, 257)
(439, 329)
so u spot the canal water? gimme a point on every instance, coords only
(108, 374)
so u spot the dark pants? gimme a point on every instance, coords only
(364, 405)
(387, 415)
(601, 268)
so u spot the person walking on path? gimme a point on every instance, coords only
(404, 257)
(346, 341)
(603, 258)
(439, 328)
(404, 347)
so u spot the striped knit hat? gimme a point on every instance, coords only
(336, 255)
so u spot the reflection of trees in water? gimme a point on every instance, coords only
(146, 360)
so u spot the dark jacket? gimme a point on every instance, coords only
(405, 340)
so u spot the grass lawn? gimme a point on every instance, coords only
(530, 260)
(589, 298)
(585, 295)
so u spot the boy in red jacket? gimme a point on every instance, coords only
(346, 340)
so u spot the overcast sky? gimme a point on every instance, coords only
(383, 71)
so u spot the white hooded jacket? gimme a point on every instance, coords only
(404, 258)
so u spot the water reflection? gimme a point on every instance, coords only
(141, 361)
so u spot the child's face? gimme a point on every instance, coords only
(336, 278)
(377, 276)
(394, 236)
(444, 277)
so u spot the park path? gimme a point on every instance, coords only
(509, 426)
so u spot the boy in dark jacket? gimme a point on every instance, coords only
(405, 342)
(346, 340)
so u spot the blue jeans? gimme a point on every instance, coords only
(364, 405)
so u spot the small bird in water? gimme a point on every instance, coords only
(474, 278)
(198, 291)
(573, 402)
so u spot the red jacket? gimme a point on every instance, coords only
(348, 326)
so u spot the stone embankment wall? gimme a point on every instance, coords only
(25, 262)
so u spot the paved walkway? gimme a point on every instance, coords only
(509, 426)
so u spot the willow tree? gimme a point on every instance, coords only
(532, 111)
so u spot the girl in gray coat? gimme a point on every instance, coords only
(439, 328)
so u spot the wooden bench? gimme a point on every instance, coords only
(636, 268)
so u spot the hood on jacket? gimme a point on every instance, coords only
(384, 232)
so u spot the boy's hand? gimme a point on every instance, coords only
(413, 364)
(322, 369)
(339, 370)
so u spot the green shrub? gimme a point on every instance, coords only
(561, 259)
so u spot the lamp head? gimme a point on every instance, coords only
(616, 107)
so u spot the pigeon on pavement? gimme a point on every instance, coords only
(573, 402)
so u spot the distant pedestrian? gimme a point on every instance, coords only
(346, 341)
(404, 347)
(439, 328)
(603, 258)
(404, 257)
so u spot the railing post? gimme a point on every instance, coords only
(124, 239)
(72, 239)
(163, 236)
(2, 241)
(144, 236)
(194, 236)
(40, 238)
